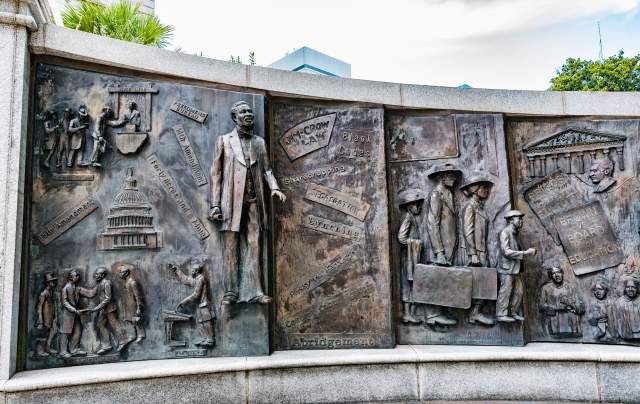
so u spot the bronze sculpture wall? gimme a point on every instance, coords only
(167, 219)
(144, 207)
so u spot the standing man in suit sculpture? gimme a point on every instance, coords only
(475, 228)
(442, 217)
(442, 222)
(238, 202)
(509, 304)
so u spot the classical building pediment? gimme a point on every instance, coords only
(566, 151)
(574, 140)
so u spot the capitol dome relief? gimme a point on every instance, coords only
(129, 224)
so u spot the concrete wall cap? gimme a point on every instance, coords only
(76, 45)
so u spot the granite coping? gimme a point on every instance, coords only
(76, 45)
(403, 354)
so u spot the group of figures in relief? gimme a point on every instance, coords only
(612, 317)
(67, 138)
(238, 175)
(62, 318)
(442, 237)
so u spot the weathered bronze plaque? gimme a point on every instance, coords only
(449, 194)
(437, 131)
(588, 239)
(122, 262)
(551, 195)
(340, 201)
(308, 136)
(577, 185)
(65, 221)
(331, 236)
(188, 111)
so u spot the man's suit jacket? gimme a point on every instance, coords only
(442, 224)
(229, 174)
(511, 256)
(475, 225)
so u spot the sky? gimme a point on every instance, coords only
(510, 44)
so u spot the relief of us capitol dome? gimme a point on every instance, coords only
(129, 224)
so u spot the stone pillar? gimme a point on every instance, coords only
(15, 23)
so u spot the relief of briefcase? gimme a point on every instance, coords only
(453, 286)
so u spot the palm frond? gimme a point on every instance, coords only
(120, 20)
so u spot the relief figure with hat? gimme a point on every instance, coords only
(52, 132)
(442, 217)
(77, 129)
(442, 222)
(411, 201)
(511, 292)
(64, 139)
(47, 319)
(475, 223)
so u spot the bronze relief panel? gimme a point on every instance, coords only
(578, 180)
(453, 230)
(123, 263)
(330, 236)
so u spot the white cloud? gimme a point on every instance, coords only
(384, 40)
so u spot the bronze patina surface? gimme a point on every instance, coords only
(330, 237)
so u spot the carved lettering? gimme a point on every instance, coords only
(331, 341)
(118, 88)
(337, 200)
(355, 138)
(170, 186)
(349, 153)
(66, 220)
(553, 194)
(190, 353)
(315, 174)
(308, 136)
(189, 112)
(194, 164)
(588, 238)
(330, 227)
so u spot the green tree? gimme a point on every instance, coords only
(120, 20)
(616, 73)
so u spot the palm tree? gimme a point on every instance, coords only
(120, 20)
